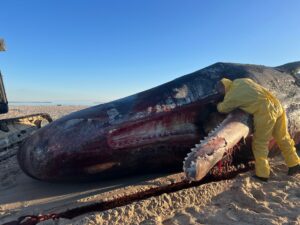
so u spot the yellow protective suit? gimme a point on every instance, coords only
(269, 120)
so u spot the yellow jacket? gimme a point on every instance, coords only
(269, 120)
(249, 96)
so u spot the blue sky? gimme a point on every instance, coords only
(102, 50)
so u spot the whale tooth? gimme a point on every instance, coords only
(194, 149)
(185, 158)
(209, 157)
(193, 163)
(197, 145)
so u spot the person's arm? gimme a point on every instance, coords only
(229, 103)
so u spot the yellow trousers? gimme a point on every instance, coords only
(266, 125)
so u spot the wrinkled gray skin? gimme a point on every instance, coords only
(150, 131)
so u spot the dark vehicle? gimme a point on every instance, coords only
(14, 130)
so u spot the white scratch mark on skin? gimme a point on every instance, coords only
(111, 131)
(112, 114)
(72, 122)
(170, 103)
(40, 155)
(140, 115)
(149, 110)
(158, 108)
(181, 92)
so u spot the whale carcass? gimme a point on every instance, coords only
(154, 130)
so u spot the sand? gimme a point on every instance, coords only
(54, 111)
(241, 200)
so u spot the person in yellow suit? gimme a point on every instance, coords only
(269, 120)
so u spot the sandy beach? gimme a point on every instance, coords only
(241, 200)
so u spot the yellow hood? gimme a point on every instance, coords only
(227, 84)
